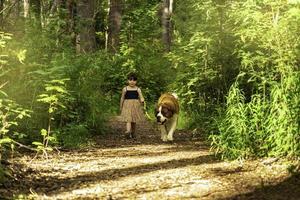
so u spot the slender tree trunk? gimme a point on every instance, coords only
(26, 8)
(167, 10)
(220, 8)
(86, 38)
(70, 21)
(15, 12)
(70, 6)
(1, 14)
(101, 27)
(56, 6)
(114, 26)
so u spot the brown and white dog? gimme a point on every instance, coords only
(166, 112)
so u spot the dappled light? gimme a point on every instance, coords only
(184, 169)
(157, 99)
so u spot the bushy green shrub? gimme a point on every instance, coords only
(73, 136)
(11, 113)
(267, 124)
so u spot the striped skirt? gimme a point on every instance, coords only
(132, 111)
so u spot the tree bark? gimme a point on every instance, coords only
(15, 10)
(26, 8)
(57, 6)
(1, 14)
(114, 26)
(86, 38)
(70, 6)
(167, 10)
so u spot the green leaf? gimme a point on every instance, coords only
(3, 93)
(21, 56)
(5, 140)
(37, 144)
(44, 132)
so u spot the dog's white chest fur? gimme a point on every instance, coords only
(168, 128)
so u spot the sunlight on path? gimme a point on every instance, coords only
(146, 172)
(116, 168)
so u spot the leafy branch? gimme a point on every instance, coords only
(54, 97)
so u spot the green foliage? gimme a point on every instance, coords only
(11, 113)
(74, 136)
(266, 120)
(260, 127)
(235, 139)
(283, 120)
(204, 58)
(55, 97)
(142, 50)
(234, 65)
(153, 70)
(97, 80)
(46, 52)
(55, 93)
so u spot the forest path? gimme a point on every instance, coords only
(146, 168)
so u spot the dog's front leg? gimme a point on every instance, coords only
(163, 133)
(172, 128)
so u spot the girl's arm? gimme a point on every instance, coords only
(141, 95)
(122, 98)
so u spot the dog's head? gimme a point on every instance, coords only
(163, 113)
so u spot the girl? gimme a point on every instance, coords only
(131, 105)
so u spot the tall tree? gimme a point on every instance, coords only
(1, 13)
(26, 8)
(57, 4)
(70, 7)
(114, 25)
(86, 37)
(15, 12)
(167, 10)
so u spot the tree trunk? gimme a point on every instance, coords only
(86, 38)
(167, 10)
(114, 26)
(101, 27)
(220, 8)
(26, 8)
(70, 6)
(15, 10)
(57, 4)
(1, 14)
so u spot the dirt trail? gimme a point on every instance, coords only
(146, 168)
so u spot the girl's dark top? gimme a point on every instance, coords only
(131, 94)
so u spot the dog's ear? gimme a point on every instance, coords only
(170, 110)
(170, 107)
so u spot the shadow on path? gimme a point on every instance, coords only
(289, 189)
(41, 185)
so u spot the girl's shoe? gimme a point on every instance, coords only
(133, 135)
(128, 135)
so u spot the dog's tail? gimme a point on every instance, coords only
(175, 95)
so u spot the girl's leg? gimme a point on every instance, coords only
(128, 129)
(133, 126)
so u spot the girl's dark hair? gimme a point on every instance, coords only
(132, 76)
